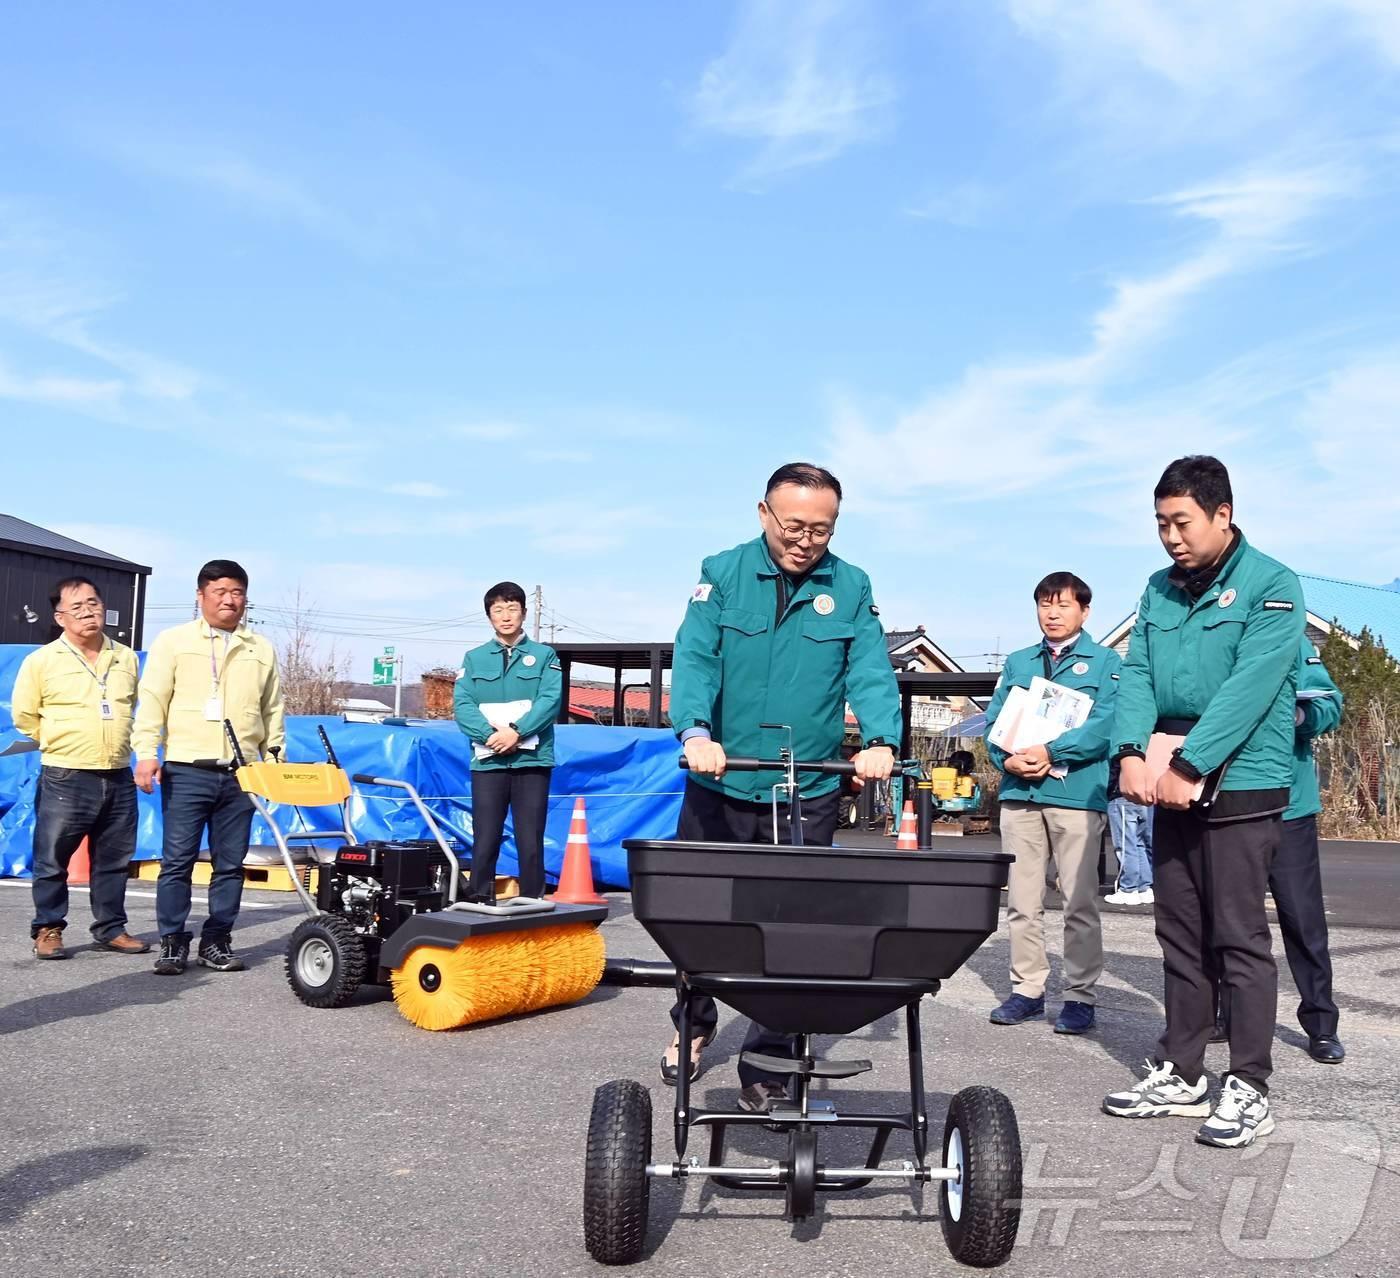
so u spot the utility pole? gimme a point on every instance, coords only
(398, 686)
(539, 608)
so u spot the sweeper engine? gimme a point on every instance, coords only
(379, 886)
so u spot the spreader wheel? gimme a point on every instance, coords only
(802, 1174)
(616, 1192)
(981, 1209)
(325, 961)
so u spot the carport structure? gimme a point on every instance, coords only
(632, 659)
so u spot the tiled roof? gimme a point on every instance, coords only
(1355, 606)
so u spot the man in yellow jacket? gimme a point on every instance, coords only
(198, 675)
(74, 697)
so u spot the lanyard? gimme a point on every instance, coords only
(214, 673)
(101, 680)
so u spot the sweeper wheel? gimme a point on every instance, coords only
(616, 1192)
(981, 1209)
(325, 961)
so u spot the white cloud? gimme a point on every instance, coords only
(43, 292)
(966, 204)
(487, 432)
(1150, 69)
(1075, 418)
(417, 488)
(802, 78)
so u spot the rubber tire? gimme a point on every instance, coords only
(347, 950)
(616, 1191)
(802, 1175)
(985, 1233)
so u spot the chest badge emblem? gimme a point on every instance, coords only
(528, 659)
(824, 604)
(1080, 667)
(1227, 599)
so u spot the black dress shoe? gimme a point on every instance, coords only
(1219, 1033)
(1327, 1048)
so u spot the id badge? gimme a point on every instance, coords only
(105, 708)
(214, 710)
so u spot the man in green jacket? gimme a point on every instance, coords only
(1295, 878)
(1212, 659)
(1053, 799)
(778, 631)
(506, 700)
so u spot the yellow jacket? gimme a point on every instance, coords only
(57, 700)
(185, 668)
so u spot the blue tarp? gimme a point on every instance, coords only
(627, 776)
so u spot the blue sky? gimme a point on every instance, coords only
(390, 306)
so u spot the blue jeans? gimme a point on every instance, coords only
(1131, 827)
(191, 801)
(73, 804)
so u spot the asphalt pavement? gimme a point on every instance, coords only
(210, 1124)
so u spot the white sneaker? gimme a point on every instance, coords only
(1120, 898)
(1144, 897)
(1163, 1093)
(1241, 1115)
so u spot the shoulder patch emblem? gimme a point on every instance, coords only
(528, 659)
(874, 611)
(701, 593)
(1314, 661)
(1080, 667)
(1227, 599)
(555, 665)
(1279, 605)
(824, 604)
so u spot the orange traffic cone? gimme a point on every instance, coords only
(576, 876)
(908, 830)
(80, 865)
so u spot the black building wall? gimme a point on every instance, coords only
(28, 578)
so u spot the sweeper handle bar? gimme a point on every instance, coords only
(364, 778)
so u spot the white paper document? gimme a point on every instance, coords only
(501, 714)
(1038, 715)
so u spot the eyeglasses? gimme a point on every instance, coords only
(794, 534)
(81, 610)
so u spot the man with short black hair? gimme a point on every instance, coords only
(75, 697)
(198, 675)
(778, 631)
(1212, 660)
(506, 701)
(1053, 799)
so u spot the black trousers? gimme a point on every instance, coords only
(1295, 883)
(707, 816)
(525, 792)
(1209, 908)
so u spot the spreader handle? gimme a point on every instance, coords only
(838, 767)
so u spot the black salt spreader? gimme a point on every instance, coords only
(808, 940)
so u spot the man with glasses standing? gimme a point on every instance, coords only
(198, 675)
(75, 697)
(778, 631)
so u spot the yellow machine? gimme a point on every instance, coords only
(387, 913)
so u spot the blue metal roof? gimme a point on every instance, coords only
(1354, 606)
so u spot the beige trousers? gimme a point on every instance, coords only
(1032, 831)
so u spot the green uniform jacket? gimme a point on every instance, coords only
(1228, 660)
(1088, 667)
(530, 672)
(1319, 717)
(737, 665)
